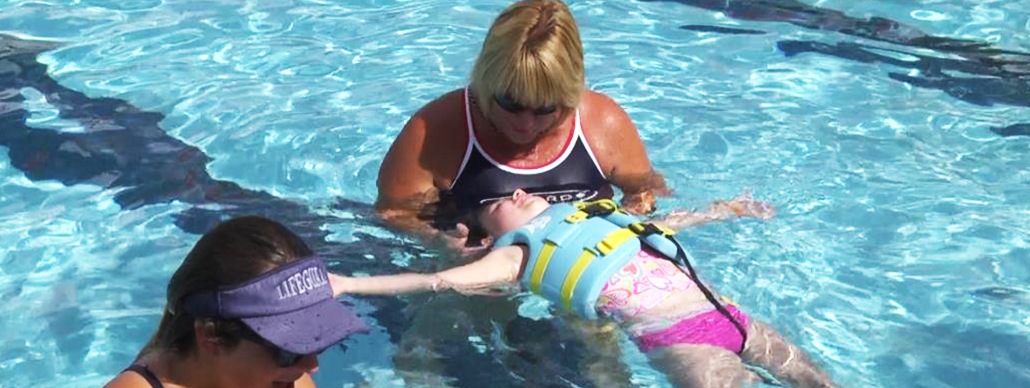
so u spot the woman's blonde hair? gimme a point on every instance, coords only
(533, 54)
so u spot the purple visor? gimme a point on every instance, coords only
(291, 306)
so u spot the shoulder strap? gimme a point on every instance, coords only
(147, 374)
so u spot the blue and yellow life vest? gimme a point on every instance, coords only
(575, 248)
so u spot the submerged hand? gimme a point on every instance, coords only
(639, 203)
(456, 240)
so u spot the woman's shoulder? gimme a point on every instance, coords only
(594, 101)
(439, 123)
(128, 379)
(443, 112)
(603, 119)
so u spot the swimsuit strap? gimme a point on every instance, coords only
(147, 374)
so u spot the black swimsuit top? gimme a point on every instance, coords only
(147, 374)
(573, 176)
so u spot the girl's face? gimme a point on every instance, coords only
(502, 216)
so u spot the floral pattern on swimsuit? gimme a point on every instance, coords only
(641, 285)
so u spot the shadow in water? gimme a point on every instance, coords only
(999, 76)
(121, 147)
(957, 354)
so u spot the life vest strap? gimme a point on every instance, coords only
(537, 276)
(615, 239)
(609, 244)
(572, 279)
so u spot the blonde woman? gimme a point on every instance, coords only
(526, 120)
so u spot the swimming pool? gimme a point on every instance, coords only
(899, 257)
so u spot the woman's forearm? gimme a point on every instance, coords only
(408, 222)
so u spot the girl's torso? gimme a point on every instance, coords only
(650, 293)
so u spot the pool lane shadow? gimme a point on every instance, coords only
(996, 76)
(120, 147)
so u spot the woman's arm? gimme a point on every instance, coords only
(616, 143)
(421, 162)
(499, 267)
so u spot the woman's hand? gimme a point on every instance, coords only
(639, 203)
(455, 240)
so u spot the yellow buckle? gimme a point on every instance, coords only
(576, 217)
(614, 239)
(605, 203)
(640, 228)
(585, 209)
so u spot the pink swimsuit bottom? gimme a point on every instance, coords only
(644, 283)
(709, 328)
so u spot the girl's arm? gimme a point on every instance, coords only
(500, 266)
(740, 206)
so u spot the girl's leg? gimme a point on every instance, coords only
(769, 349)
(702, 366)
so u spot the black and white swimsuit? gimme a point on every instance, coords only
(574, 175)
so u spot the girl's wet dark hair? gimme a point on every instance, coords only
(476, 230)
(232, 252)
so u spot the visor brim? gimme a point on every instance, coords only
(309, 330)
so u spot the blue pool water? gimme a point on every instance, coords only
(900, 256)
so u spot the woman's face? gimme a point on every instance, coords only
(521, 124)
(502, 216)
(251, 364)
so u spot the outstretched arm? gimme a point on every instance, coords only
(499, 267)
(740, 206)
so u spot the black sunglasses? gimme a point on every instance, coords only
(507, 103)
(283, 358)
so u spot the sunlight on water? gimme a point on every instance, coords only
(899, 255)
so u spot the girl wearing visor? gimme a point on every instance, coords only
(596, 261)
(250, 306)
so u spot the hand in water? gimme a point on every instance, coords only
(639, 203)
(455, 240)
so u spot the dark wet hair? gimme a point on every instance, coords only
(476, 230)
(232, 252)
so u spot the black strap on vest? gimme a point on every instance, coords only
(643, 230)
(598, 208)
(647, 229)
